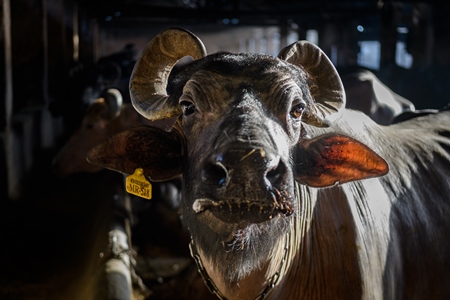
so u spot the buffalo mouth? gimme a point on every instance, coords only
(246, 211)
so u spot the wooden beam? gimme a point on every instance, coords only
(6, 65)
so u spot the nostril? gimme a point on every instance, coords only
(215, 172)
(276, 173)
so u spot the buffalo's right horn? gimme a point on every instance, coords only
(148, 81)
(325, 84)
(113, 98)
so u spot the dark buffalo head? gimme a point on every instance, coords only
(102, 118)
(239, 142)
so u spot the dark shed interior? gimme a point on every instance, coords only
(57, 56)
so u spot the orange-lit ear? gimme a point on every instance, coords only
(159, 153)
(330, 159)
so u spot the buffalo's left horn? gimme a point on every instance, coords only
(325, 84)
(148, 81)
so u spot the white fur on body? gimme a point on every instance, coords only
(382, 238)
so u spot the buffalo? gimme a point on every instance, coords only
(286, 193)
(365, 92)
(104, 116)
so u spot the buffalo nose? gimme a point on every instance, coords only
(246, 166)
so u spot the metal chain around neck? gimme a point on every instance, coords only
(212, 286)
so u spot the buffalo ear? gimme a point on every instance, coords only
(159, 153)
(330, 159)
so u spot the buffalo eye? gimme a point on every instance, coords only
(188, 107)
(297, 110)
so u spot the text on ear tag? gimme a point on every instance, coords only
(136, 184)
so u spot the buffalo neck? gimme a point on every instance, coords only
(257, 285)
(333, 256)
(326, 250)
(262, 281)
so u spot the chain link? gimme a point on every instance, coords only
(212, 286)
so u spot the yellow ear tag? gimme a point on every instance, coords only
(137, 184)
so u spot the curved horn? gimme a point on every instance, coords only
(326, 86)
(113, 98)
(148, 81)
